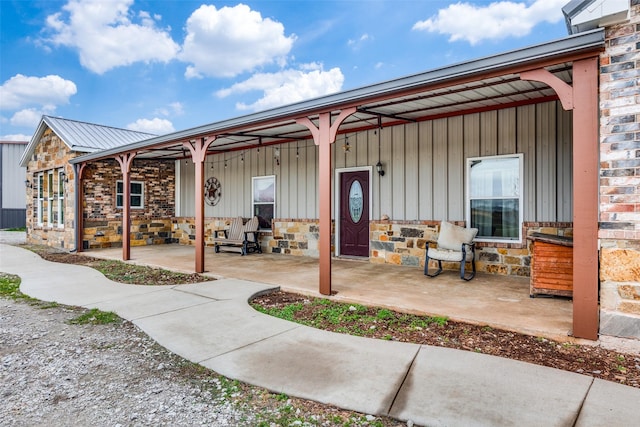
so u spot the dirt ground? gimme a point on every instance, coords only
(623, 368)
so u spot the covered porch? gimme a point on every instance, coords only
(445, 117)
(497, 301)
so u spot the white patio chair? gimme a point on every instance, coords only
(455, 244)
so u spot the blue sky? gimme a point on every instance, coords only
(163, 66)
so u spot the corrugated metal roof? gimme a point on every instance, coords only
(88, 137)
(84, 137)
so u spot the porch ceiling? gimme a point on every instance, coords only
(482, 95)
(489, 83)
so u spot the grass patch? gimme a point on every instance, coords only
(10, 288)
(95, 317)
(286, 313)
(123, 272)
(348, 318)
(16, 229)
(120, 271)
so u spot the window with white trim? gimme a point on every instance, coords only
(50, 196)
(136, 194)
(263, 199)
(60, 200)
(40, 199)
(494, 197)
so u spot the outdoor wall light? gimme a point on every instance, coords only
(64, 177)
(27, 183)
(379, 168)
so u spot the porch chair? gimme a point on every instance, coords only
(238, 235)
(455, 244)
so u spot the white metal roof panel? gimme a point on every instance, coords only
(92, 136)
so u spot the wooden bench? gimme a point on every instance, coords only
(240, 236)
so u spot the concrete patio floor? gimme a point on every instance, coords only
(497, 301)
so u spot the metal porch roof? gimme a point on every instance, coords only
(484, 84)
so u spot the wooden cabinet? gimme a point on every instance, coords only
(551, 265)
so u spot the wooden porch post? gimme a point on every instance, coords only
(125, 161)
(323, 136)
(79, 214)
(198, 151)
(582, 98)
(585, 199)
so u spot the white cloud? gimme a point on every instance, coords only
(155, 126)
(177, 108)
(105, 36)
(29, 117)
(357, 43)
(231, 40)
(173, 109)
(498, 20)
(15, 137)
(288, 86)
(21, 91)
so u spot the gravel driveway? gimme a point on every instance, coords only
(54, 373)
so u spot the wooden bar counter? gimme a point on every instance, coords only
(551, 265)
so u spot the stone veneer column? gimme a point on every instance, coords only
(619, 230)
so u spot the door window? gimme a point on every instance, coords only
(356, 201)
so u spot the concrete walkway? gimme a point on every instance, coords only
(211, 324)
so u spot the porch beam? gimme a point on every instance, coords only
(323, 136)
(198, 149)
(125, 160)
(564, 91)
(389, 116)
(582, 98)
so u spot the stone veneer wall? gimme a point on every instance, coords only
(405, 243)
(149, 225)
(295, 237)
(50, 154)
(184, 229)
(287, 237)
(400, 243)
(619, 228)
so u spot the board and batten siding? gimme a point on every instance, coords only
(424, 163)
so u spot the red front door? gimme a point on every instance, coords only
(354, 213)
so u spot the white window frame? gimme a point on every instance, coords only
(131, 194)
(265, 178)
(50, 196)
(60, 199)
(40, 198)
(468, 198)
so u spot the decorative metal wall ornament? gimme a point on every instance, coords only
(212, 191)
